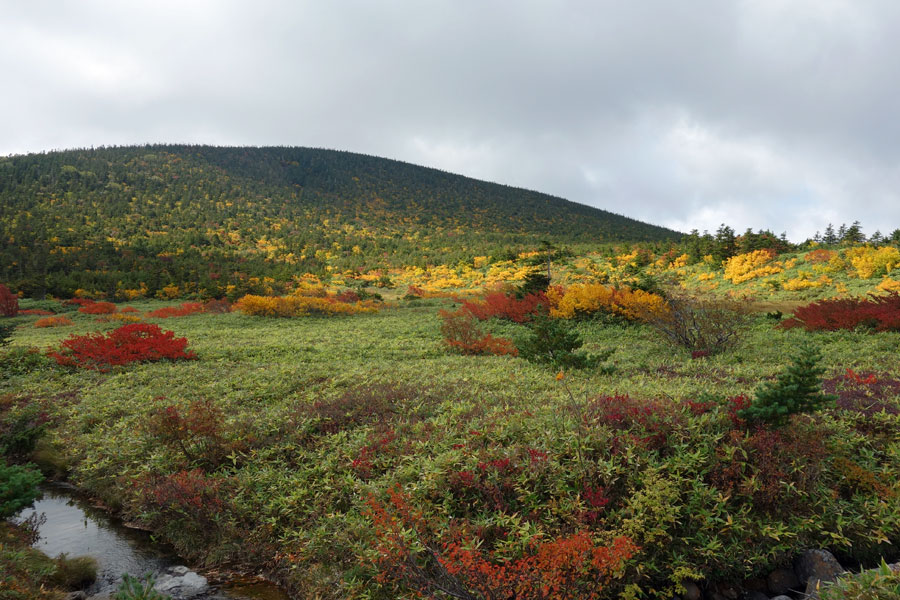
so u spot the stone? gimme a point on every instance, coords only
(179, 570)
(755, 596)
(781, 597)
(692, 591)
(79, 595)
(756, 584)
(182, 586)
(816, 565)
(782, 581)
(722, 591)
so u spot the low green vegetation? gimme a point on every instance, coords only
(332, 451)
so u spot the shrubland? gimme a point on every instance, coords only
(362, 456)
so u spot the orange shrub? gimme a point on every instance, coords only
(187, 308)
(98, 308)
(820, 255)
(53, 322)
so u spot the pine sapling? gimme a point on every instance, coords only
(798, 389)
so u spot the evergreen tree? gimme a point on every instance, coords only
(798, 389)
(830, 237)
(842, 232)
(854, 234)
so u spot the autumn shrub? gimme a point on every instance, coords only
(217, 306)
(699, 323)
(119, 318)
(574, 566)
(9, 302)
(589, 299)
(78, 302)
(878, 313)
(554, 342)
(462, 334)
(647, 422)
(137, 342)
(187, 504)
(744, 267)
(508, 306)
(196, 432)
(771, 469)
(371, 403)
(186, 308)
(37, 312)
(870, 262)
(98, 308)
(819, 256)
(297, 306)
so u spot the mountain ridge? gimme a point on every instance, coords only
(112, 211)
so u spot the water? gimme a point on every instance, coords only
(75, 528)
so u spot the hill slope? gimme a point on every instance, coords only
(154, 215)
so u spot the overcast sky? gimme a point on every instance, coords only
(778, 114)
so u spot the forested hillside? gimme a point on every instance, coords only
(204, 217)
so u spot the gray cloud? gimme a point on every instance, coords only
(759, 113)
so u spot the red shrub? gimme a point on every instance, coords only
(881, 313)
(9, 302)
(195, 432)
(462, 334)
(217, 306)
(508, 306)
(78, 302)
(819, 255)
(348, 297)
(187, 308)
(36, 311)
(98, 308)
(648, 422)
(129, 343)
(569, 567)
(193, 499)
(128, 309)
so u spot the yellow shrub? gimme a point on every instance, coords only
(591, 298)
(170, 292)
(751, 265)
(119, 317)
(871, 262)
(706, 276)
(297, 306)
(889, 285)
(803, 281)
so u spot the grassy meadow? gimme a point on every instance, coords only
(357, 456)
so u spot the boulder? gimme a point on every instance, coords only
(755, 596)
(692, 591)
(782, 581)
(816, 565)
(181, 583)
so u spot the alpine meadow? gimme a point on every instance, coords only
(356, 377)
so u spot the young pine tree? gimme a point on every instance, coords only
(798, 389)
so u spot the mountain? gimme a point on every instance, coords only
(153, 215)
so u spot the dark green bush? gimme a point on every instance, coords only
(18, 488)
(554, 342)
(796, 390)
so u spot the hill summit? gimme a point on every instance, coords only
(153, 215)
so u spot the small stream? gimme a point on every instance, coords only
(76, 528)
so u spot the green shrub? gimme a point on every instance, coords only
(75, 573)
(796, 390)
(554, 342)
(133, 588)
(18, 488)
(876, 584)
